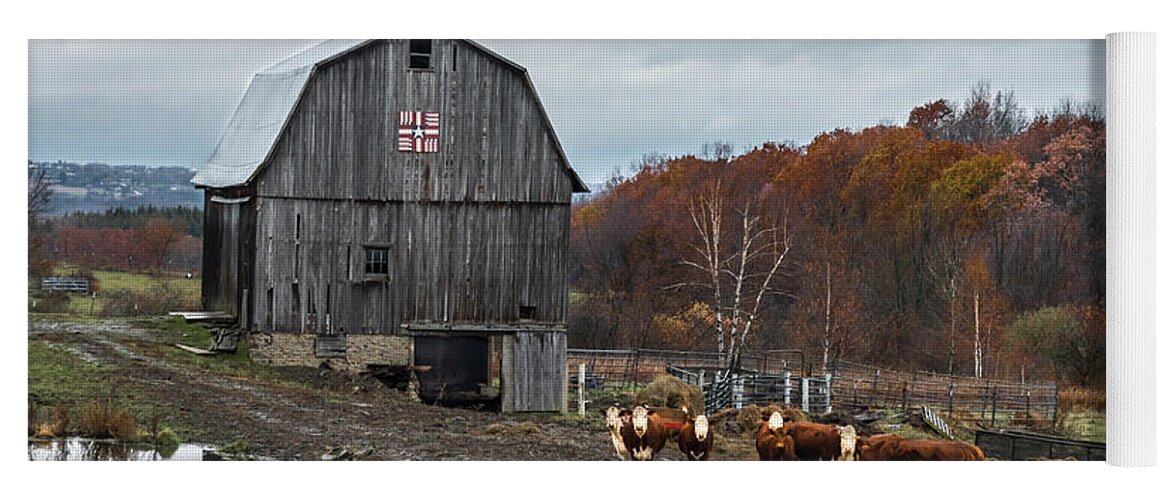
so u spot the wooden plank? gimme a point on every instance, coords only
(195, 350)
(197, 316)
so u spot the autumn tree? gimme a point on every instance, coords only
(934, 119)
(960, 206)
(157, 237)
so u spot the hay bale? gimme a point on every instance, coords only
(726, 422)
(527, 429)
(666, 391)
(497, 429)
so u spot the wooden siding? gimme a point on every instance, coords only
(341, 142)
(464, 263)
(533, 376)
(228, 243)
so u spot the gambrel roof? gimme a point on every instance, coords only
(271, 98)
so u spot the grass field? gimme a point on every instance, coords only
(113, 283)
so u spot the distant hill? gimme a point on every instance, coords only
(97, 187)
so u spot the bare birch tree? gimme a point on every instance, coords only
(748, 264)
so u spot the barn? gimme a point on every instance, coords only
(401, 203)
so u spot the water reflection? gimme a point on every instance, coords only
(80, 449)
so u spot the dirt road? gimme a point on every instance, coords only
(301, 414)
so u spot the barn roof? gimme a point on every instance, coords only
(270, 99)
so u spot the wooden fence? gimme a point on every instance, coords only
(65, 284)
(995, 402)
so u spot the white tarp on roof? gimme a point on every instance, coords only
(262, 114)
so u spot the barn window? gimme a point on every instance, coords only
(420, 54)
(377, 261)
(528, 312)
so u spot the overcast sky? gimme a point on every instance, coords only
(167, 102)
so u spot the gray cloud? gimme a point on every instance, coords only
(166, 102)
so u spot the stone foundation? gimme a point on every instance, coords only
(297, 349)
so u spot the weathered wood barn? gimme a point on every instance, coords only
(396, 202)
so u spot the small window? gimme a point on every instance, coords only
(420, 54)
(528, 312)
(377, 260)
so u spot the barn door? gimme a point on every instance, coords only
(532, 372)
(458, 366)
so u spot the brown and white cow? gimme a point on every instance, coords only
(615, 419)
(695, 438)
(813, 441)
(772, 444)
(644, 435)
(895, 448)
(849, 443)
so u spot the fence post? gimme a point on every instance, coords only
(737, 391)
(1028, 408)
(805, 394)
(829, 406)
(1056, 395)
(950, 395)
(994, 391)
(984, 401)
(914, 377)
(874, 389)
(581, 382)
(904, 395)
(788, 386)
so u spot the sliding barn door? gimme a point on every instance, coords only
(532, 372)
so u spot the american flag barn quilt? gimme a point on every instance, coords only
(418, 132)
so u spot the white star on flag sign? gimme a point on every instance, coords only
(418, 131)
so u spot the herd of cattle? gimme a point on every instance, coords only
(641, 433)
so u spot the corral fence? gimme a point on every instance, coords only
(994, 402)
(767, 377)
(725, 389)
(784, 377)
(633, 368)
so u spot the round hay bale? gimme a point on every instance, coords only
(670, 392)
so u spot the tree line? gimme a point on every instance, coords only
(139, 239)
(970, 240)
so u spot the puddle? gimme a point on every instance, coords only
(81, 449)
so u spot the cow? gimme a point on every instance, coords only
(695, 438)
(615, 419)
(895, 448)
(643, 435)
(772, 444)
(849, 443)
(813, 441)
